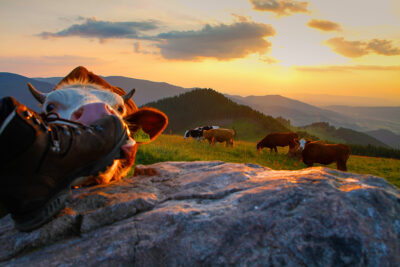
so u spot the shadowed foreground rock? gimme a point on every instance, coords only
(215, 213)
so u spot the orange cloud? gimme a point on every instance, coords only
(221, 42)
(355, 49)
(383, 47)
(324, 25)
(280, 7)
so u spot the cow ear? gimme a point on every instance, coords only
(149, 120)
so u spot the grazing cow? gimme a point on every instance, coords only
(295, 152)
(316, 152)
(220, 135)
(273, 140)
(198, 132)
(84, 97)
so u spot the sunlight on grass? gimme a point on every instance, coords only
(175, 148)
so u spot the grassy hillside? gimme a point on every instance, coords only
(387, 137)
(330, 133)
(208, 107)
(175, 148)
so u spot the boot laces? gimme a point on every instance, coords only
(55, 117)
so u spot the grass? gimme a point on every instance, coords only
(175, 148)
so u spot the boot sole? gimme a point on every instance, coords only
(57, 202)
(44, 215)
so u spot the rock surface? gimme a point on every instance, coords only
(216, 213)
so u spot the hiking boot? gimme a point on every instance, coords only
(41, 158)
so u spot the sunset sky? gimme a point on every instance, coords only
(244, 47)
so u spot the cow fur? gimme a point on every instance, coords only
(273, 140)
(316, 152)
(220, 135)
(198, 132)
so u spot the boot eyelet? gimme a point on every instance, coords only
(65, 130)
(56, 146)
(77, 131)
(27, 114)
(98, 128)
(36, 121)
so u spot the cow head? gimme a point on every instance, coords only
(84, 97)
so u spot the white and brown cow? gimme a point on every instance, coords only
(85, 97)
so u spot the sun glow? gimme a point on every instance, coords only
(192, 44)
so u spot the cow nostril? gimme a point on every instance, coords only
(77, 114)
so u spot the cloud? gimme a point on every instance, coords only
(222, 42)
(268, 60)
(138, 49)
(348, 48)
(240, 18)
(339, 68)
(383, 47)
(355, 49)
(324, 25)
(93, 28)
(280, 7)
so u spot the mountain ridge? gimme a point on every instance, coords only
(298, 112)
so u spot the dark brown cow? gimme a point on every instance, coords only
(316, 152)
(273, 140)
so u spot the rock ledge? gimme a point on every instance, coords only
(216, 213)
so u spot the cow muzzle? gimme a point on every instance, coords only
(92, 112)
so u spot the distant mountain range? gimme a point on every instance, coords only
(16, 85)
(298, 112)
(341, 135)
(323, 100)
(146, 91)
(389, 138)
(364, 119)
(372, 118)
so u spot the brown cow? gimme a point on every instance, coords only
(316, 152)
(273, 140)
(219, 135)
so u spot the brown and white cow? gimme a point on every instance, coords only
(273, 140)
(219, 135)
(84, 97)
(317, 152)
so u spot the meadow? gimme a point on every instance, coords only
(176, 148)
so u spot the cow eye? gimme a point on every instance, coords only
(120, 109)
(50, 107)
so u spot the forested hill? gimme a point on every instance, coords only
(341, 135)
(208, 107)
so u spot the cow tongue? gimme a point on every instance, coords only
(129, 151)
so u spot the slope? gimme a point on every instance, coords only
(297, 112)
(387, 137)
(208, 107)
(330, 133)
